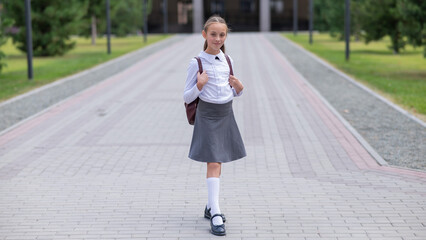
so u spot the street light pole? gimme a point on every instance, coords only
(108, 28)
(347, 28)
(295, 17)
(165, 16)
(311, 19)
(145, 21)
(29, 39)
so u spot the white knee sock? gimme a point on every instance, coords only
(213, 185)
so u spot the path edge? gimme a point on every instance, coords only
(356, 83)
(348, 126)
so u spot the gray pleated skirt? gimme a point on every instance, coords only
(216, 137)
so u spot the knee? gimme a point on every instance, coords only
(213, 169)
(213, 166)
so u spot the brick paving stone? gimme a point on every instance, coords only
(111, 162)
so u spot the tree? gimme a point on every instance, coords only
(5, 23)
(126, 16)
(330, 14)
(381, 18)
(53, 22)
(94, 19)
(413, 22)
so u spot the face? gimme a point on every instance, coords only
(215, 36)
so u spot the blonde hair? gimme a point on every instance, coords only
(210, 21)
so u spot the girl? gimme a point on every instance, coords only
(216, 138)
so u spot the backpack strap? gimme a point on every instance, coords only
(200, 66)
(230, 65)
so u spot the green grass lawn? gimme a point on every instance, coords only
(13, 79)
(400, 78)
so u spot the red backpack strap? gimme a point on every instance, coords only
(230, 65)
(200, 66)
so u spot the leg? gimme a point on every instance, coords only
(214, 170)
(213, 185)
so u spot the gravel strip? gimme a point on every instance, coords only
(21, 107)
(397, 138)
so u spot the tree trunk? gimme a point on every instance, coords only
(395, 42)
(395, 47)
(93, 30)
(357, 34)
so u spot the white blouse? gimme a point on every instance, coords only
(217, 89)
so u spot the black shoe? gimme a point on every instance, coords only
(218, 230)
(208, 215)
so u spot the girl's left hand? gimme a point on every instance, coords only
(235, 83)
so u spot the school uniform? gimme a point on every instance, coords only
(216, 137)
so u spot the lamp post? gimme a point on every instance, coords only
(347, 28)
(311, 19)
(165, 17)
(295, 17)
(108, 28)
(145, 21)
(29, 39)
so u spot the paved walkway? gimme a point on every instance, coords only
(111, 162)
(397, 138)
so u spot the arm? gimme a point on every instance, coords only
(191, 91)
(237, 85)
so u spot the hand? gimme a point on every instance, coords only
(236, 84)
(202, 79)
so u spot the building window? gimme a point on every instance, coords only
(277, 6)
(183, 10)
(248, 6)
(217, 7)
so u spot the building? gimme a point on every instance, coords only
(241, 15)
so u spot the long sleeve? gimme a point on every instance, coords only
(233, 89)
(191, 91)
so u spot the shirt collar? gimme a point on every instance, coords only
(211, 58)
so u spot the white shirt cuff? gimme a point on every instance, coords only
(235, 92)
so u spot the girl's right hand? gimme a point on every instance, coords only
(202, 80)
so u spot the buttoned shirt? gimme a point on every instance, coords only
(217, 89)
